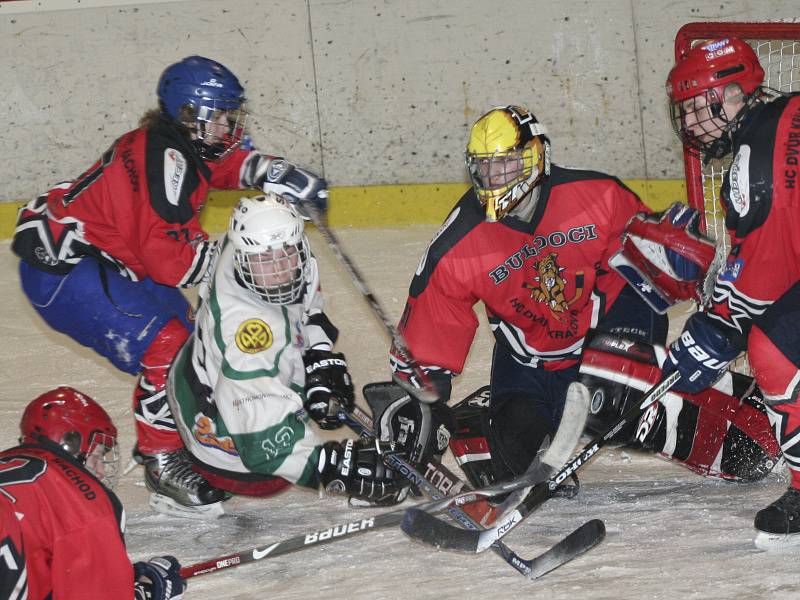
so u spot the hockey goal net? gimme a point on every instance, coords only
(777, 45)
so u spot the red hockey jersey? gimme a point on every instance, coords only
(761, 199)
(72, 526)
(543, 284)
(137, 208)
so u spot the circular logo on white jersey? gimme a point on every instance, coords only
(253, 336)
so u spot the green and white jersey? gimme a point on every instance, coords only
(236, 386)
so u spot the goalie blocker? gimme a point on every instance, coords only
(722, 431)
(418, 430)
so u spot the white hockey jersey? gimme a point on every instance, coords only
(236, 386)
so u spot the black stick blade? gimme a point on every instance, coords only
(426, 528)
(583, 539)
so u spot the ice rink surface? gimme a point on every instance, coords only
(671, 534)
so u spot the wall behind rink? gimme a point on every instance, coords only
(368, 92)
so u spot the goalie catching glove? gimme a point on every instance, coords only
(302, 188)
(355, 467)
(666, 259)
(328, 387)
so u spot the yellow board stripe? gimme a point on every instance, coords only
(382, 205)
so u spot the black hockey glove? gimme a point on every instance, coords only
(701, 354)
(302, 188)
(356, 467)
(328, 387)
(158, 579)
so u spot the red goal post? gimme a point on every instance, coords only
(777, 45)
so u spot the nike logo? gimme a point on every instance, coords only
(259, 554)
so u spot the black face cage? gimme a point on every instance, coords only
(722, 145)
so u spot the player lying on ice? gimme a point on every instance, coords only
(102, 256)
(261, 352)
(56, 491)
(719, 108)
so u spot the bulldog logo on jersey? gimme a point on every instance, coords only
(253, 336)
(550, 286)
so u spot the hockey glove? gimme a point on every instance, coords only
(328, 387)
(700, 354)
(158, 579)
(356, 467)
(302, 188)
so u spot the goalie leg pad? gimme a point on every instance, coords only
(712, 434)
(470, 441)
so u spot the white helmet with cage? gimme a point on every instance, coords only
(271, 253)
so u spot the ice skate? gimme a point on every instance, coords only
(177, 489)
(779, 523)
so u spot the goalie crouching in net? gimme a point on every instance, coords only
(531, 240)
(259, 357)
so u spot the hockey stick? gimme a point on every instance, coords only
(430, 530)
(294, 544)
(319, 537)
(427, 392)
(579, 541)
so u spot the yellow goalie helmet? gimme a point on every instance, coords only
(507, 154)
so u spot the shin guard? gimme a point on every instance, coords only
(155, 426)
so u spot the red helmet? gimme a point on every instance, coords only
(712, 66)
(76, 423)
(696, 89)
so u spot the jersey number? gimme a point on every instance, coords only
(8, 555)
(90, 176)
(15, 470)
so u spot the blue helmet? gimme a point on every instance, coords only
(205, 87)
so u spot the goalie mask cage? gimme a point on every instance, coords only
(777, 45)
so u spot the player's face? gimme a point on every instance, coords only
(274, 268)
(217, 129)
(703, 120)
(498, 172)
